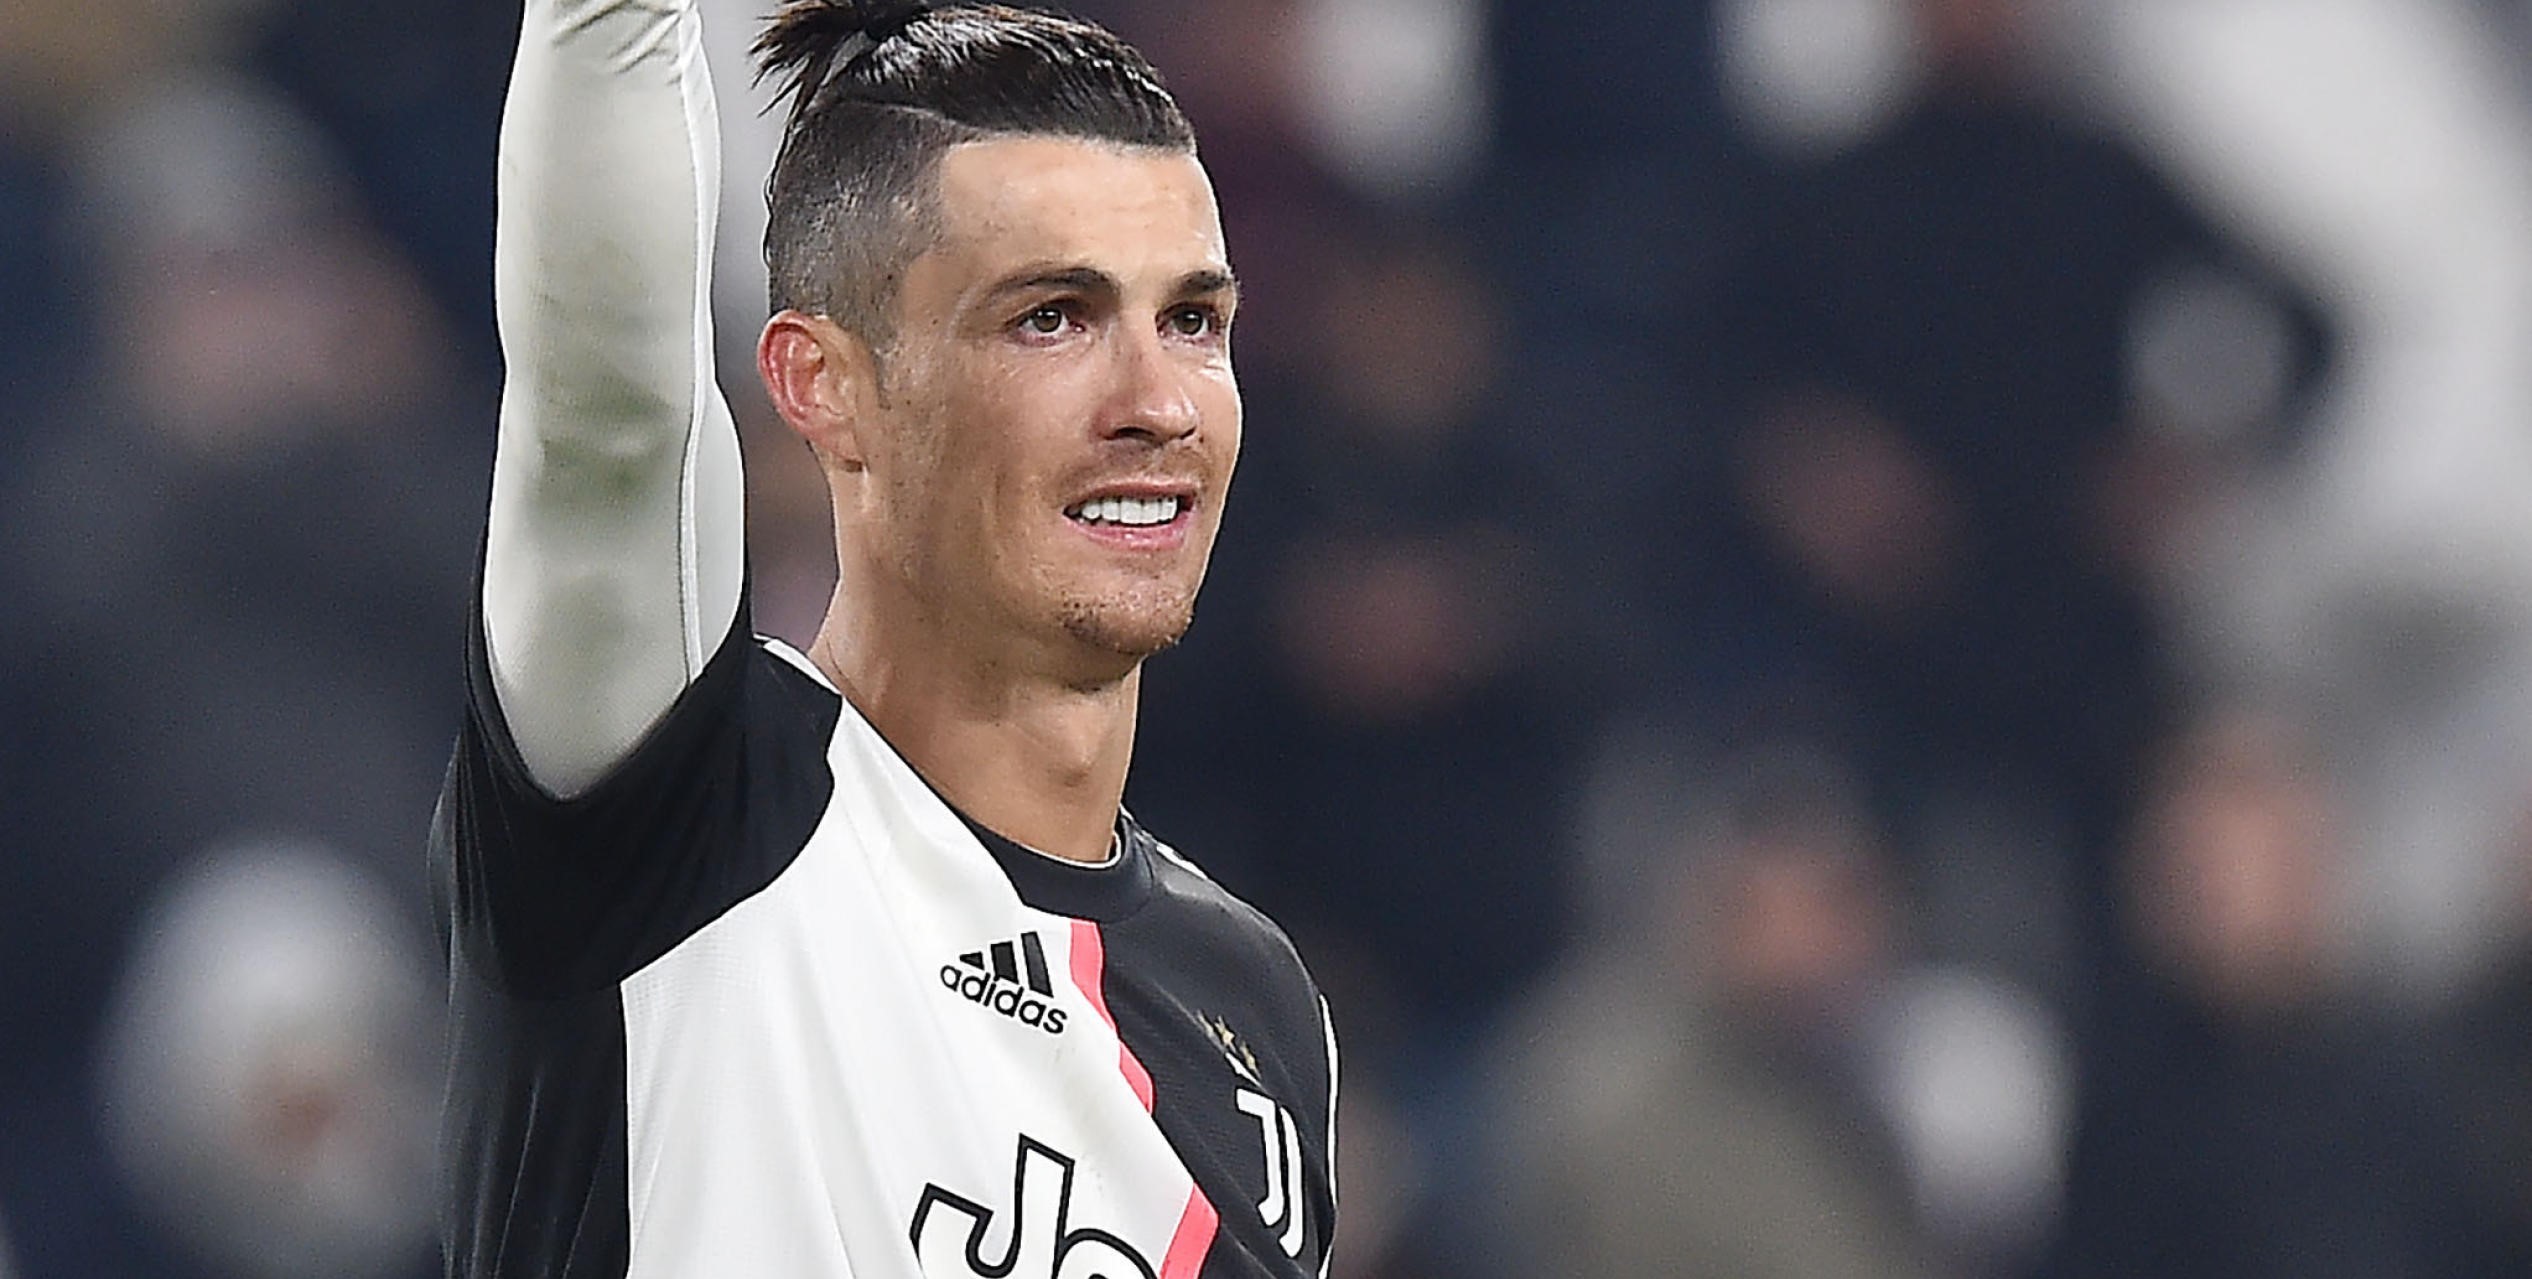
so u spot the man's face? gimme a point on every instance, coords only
(1058, 419)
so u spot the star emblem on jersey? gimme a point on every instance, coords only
(1010, 978)
(1234, 1050)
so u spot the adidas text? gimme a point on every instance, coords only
(1002, 988)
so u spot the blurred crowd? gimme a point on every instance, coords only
(1861, 637)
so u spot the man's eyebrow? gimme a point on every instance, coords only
(1083, 279)
(1208, 281)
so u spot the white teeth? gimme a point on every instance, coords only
(1134, 512)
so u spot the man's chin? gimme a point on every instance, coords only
(1130, 631)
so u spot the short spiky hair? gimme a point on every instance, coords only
(880, 89)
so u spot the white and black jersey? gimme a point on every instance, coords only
(761, 1003)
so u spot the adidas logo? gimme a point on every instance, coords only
(1010, 978)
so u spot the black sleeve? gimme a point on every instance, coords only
(552, 896)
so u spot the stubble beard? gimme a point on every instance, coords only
(1130, 626)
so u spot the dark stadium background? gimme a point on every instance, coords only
(1862, 637)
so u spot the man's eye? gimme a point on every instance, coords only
(1045, 321)
(1195, 321)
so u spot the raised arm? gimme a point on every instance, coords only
(615, 551)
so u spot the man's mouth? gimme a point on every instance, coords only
(1127, 512)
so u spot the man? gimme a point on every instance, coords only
(849, 963)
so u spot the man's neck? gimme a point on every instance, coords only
(1021, 753)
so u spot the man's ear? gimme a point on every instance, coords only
(823, 381)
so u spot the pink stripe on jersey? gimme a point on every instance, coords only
(1090, 954)
(1193, 1240)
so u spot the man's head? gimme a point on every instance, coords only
(1002, 305)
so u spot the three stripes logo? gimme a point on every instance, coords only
(1011, 978)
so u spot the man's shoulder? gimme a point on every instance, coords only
(1233, 981)
(1215, 937)
(1199, 901)
(714, 802)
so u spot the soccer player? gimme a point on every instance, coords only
(848, 963)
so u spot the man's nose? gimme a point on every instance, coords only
(1154, 401)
